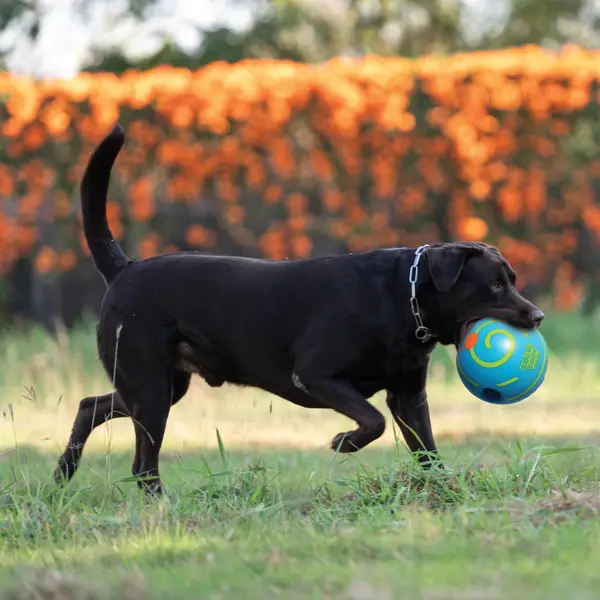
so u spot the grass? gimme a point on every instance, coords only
(257, 507)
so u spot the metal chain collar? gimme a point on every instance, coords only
(422, 333)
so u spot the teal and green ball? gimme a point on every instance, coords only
(501, 364)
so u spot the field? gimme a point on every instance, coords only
(258, 507)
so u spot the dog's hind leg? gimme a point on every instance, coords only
(149, 405)
(93, 411)
(148, 384)
(96, 410)
(180, 385)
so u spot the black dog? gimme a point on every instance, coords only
(322, 333)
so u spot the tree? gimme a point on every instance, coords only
(24, 20)
(544, 22)
(285, 30)
(308, 30)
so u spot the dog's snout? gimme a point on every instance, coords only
(536, 317)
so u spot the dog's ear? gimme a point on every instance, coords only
(487, 247)
(447, 261)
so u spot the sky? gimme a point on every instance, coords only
(66, 40)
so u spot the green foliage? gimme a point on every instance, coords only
(549, 23)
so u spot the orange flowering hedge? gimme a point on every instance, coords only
(279, 158)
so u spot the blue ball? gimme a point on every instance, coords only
(501, 364)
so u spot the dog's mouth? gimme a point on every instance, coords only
(462, 328)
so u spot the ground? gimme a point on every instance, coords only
(259, 508)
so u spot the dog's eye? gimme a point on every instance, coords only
(496, 286)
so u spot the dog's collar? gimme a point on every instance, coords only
(422, 333)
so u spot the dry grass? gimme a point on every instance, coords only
(249, 418)
(43, 380)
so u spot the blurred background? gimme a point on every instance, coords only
(285, 159)
(295, 128)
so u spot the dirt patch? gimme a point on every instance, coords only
(363, 590)
(467, 594)
(561, 506)
(54, 585)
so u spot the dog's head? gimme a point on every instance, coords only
(470, 281)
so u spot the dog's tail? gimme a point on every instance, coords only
(107, 255)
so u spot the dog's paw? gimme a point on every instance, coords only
(61, 475)
(64, 471)
(151, 486)
(342, 443)
(430, 460)
(155, 492)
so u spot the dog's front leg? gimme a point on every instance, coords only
(407, 402)
(340, 395)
